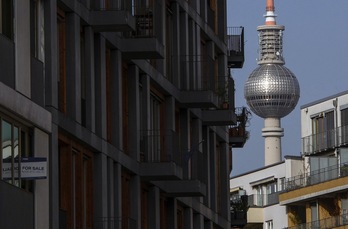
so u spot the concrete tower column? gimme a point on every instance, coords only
(272, 132)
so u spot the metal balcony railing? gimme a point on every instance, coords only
(160, 146)
(115, 222)
(235, 47)
(324, 141)
(331, 222)
(243, 117)
(235, 40)
(258, 200)
(316, 177)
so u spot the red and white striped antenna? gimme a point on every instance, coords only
(270, 15)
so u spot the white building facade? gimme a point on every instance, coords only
(262, 187)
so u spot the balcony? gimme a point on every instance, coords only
(325, 141)
(160, 155)
(238, 133)
(316, 177)
(225, 113)
(239, 208)
(182, 188)
(112, 20)
(331, 222)
(203, 90)
(316, 183)
(263, 200)
(235, 47)
(142, 43)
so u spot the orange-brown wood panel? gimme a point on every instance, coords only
(76, 183)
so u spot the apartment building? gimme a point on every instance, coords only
(127, 106)
(317, 198)
(254, 196)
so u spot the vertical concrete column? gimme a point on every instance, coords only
(117, 195)
(198, 221)
(185, 136)
(53, 178)
(221, 19)
(100, 86)
(272, 132)
(154, 208)
(213, 160)
(172, 214)
(41, 191)
(51, 52)
(100, 180)
(159, 21)
(116, 98)
(110, 190)
(73, 67)
(170, 127)
(224, 182)
(134, 112)
(210, 47)
(184, 50)
(205, 169)
(145, 107)
(135, 189)
(188, 218)
(89, 78)
(196, 148)
(176, 52)
(22, 47)
(193, 59)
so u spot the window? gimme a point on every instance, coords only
(259, 196)
(344, 126)
(14, 146)
(281, 184)
(37, 28)
(323, 131)
(269, 224)
(6, 18)
(272, 196)
(314, 214)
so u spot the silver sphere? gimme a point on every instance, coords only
(272, 91)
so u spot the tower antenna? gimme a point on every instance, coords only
(270, 15)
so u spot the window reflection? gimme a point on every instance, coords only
(6, 151)
(14, 145)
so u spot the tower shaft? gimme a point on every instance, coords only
(272, 132)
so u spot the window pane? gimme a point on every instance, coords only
(6, 150)
(16, 155)
(6, 19)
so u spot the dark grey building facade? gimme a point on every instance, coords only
(131, 104)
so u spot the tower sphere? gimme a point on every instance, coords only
(272, 91)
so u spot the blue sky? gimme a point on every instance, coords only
(315, 50)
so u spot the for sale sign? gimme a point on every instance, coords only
(30, 168)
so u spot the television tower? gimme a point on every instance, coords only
(272, 90)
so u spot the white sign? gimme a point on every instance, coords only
(31, 168)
